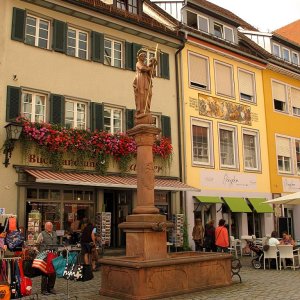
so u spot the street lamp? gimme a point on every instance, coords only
(13, 132)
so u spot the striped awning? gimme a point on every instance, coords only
(89, 179)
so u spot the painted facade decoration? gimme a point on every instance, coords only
(221, 109)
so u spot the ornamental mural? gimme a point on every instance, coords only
(221, 109)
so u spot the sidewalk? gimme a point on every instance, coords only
(256, 284)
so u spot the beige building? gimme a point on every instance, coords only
(72, 63)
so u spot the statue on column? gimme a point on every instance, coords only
(142, 84)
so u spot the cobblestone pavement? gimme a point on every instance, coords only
(256, 284)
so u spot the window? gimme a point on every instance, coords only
(34, 106)
(228, 34)
(283, 154)
(218, 30)
(297, 146)
(191, 19)
(295, 58)
(251, 148)
(198, 71)
(279, 96)
(228, 150)
(129, 5)
(247, 86)
(224, 79)
(202, 23)
(295, 97)
(75, 114)
(37, 32)
(276, 50)
(112, 120)
(202, 142)
(112, 53)
(77, 43)
(286, 54)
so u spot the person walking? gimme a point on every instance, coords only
(47, 239)
(198, 233)
(222, 239)
(88, 242)
(209, 237)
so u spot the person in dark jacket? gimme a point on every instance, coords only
(209, 237)
(87, 242)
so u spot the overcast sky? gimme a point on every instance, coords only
(266, 15)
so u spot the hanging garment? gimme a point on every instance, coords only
(12, 223)
(25, 282)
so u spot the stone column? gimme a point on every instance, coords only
(145, 228)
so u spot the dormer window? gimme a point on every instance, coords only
(286, 54)
(276, 50)
(218, 30)
(128, 5)
(295, 58)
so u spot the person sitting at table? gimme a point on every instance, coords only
(287, 239)
(273, 241)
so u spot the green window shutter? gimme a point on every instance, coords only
(98, 47)
(128, 56)
(130, 118)
(166, 126)
(59, 36)
(97, 116)
(135, 49)
(57, 109)
(18, 25)
(13, 103)
(164, 66)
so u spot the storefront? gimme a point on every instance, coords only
(65, 198)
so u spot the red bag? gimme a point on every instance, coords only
(25, 282)
(50, 269)
(12, 224)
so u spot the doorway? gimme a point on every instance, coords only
(119, 204)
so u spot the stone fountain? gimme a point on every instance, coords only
(148, 271)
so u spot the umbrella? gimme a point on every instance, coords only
(288, 199)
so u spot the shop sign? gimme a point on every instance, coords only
(290, 184)
(277, 211)
(34, 159)
(2, 211)
(228, 180)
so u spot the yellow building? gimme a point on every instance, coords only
(281, 82)
(224, 124)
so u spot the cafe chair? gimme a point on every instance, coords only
(271, 253)
(287, 252)
(235, 246)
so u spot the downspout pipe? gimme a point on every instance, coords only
(179, 114)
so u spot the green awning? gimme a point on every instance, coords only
(259, 206)
(208, 199)
(237, 204)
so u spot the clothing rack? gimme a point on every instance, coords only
(10, 258)
(8, 215)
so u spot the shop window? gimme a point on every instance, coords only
(279, 96)
(228, 149)
(54, 194)
(32, 194)
(198, 71)
(34, 106)
(37, 32)
(247, 86)
(113, 119)
(224, 79)
(75, 114)
(43, 194)
(251, 150)
(68, 195)
(283, 150)
(113, 53)
(77, 43)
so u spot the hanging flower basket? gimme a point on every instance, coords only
(55, 141)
